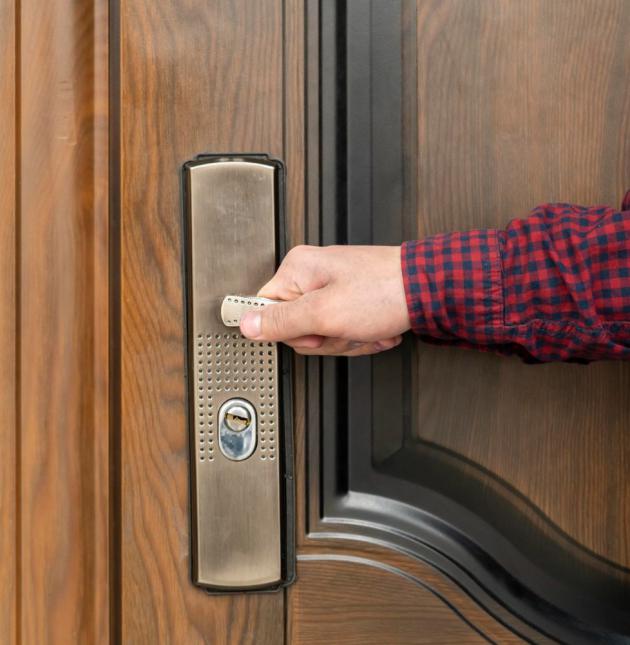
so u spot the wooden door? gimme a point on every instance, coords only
(443, 495)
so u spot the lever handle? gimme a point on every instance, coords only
(233, 308)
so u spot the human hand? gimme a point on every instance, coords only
(337, 301)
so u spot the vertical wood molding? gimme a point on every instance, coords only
(101, 419)
(64, 292)
(8, 550)
(294, 156)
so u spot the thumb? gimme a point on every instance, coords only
(281, 321)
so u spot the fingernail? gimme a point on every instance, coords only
(381, 345)
(251, 324)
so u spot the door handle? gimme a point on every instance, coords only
(239, 406)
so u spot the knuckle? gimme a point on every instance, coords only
(297, 252)
(276, 319)
(302, 252)
(280, 318)
(315, 316)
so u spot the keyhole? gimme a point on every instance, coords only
(237, 418)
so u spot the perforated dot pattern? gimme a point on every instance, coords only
(228, 366)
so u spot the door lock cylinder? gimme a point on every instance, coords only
(237, 429)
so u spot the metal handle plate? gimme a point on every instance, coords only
(238, 436)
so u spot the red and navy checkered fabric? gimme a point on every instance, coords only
(554, 286)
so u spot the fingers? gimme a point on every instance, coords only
(342, 347)
(283, 321)
(302, 270)
(388, 343)
(306, 342)
(280, 287)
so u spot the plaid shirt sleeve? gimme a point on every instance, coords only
(554, 286)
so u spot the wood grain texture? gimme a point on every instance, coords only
(295, 158)
(366, 595)
(520, 103)
(63, 303)
(196, 76)
(385, 607)
(8, 303)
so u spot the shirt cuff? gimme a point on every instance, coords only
(453, 286)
